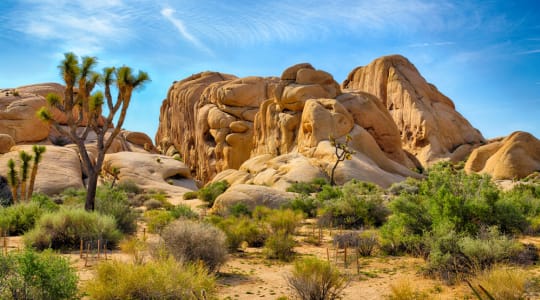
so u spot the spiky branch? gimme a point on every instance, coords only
(342, 151)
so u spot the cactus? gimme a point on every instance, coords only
(38, 151)
(13, 179)
(25, 167)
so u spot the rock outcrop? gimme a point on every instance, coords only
(430, 127)
(252, 196)
(513, 157)
(6, 142)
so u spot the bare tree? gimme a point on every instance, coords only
(84, 110)
(343, 152)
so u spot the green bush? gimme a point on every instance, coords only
(129, 187)
(307, 188)
(241, 229)
(31, 275)
(279, 245)
(211, 191)
(183, 211)
(73, 197)
(284, 220)
(360, 204)
(239, 209)
(162, 279)
(190, 195)
(19, 218)
(65, 228)
(156, 220)
(192, 242)
(152, 204)
(305, 204)
(44, 202)
(114, 202)
(312, 278)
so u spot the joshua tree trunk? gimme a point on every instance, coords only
(91, 192)
(38, 151)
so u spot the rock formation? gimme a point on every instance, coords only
(430, 127)
(513, 157)
(252, 196)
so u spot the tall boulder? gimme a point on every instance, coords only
(429, 125)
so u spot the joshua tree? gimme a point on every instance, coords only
(38, 151)
(25, 167)
(342, 153)
(114, 172)
(13, 179)
(84, 111)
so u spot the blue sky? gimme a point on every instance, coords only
(484, 55)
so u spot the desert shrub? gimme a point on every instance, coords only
(453, 255)
(135, 247)
(183, 211)
(192, 242)
(239, 209)
(211, 191)
(190, 195)
(409, 186)
(129, 187)
(403, 289)
(347, 239)
(279, 245)
(138, 200)
(368, 240)
(241, 229)
(31, 275)
(307, 188)
(19, 218)
(73, 197)
(44, 202)
(153, 204)
(260, 213)
(113, 202)
(312, 278)
(360, 204)
(162, 279)
(505, 283)
(284, 220)
(305, 204)
(65, 228)
(156, 220)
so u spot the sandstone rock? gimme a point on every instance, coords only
(514, 157)
(18, 117)
(252, 196)
(151, 171)
(59, 169)
(139, 139)
(430, 126)
(290, 72)
(6, 142)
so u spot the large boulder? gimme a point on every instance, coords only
(58, 170)
(513, 157)
(430, 127)
(252, 196)
(150, 171)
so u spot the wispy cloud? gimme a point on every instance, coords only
(534, 51)
(168, 13)
(435, 44)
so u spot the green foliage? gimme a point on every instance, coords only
(312, 278)
(20, 218)
(211, 191)
(284, 220)
(44, 202)
(183, 211)
(280, 245)
(129, 187)
(31, 275)
(504, 283)
(114, 202)
(156, 220)
(307, 188)
(152, 204)
(190, 195)
(65, 228)
(239, 209)
(305, 204)
(360, 204)
(162, 279)
(190, 241)
(241, 229)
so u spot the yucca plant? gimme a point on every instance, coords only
(25, 167)
(38, 152)
(13, 179)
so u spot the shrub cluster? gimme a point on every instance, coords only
(312, 278)
(156, 220)
(31, 275)
(211, 191)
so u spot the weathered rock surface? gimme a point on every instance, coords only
(252, 196)
(18, 115)
(151, 171)
(6, 142)
(58, 170)
(513, 157)
(430, 127)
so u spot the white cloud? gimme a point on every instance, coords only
(168, 13)
(434, 44)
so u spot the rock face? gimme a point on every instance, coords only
(6, 142)
(275, 131)
(429, 126)
(513, 157)
(151, 171)
(58, 170)
(252, 196)
(18, 115)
